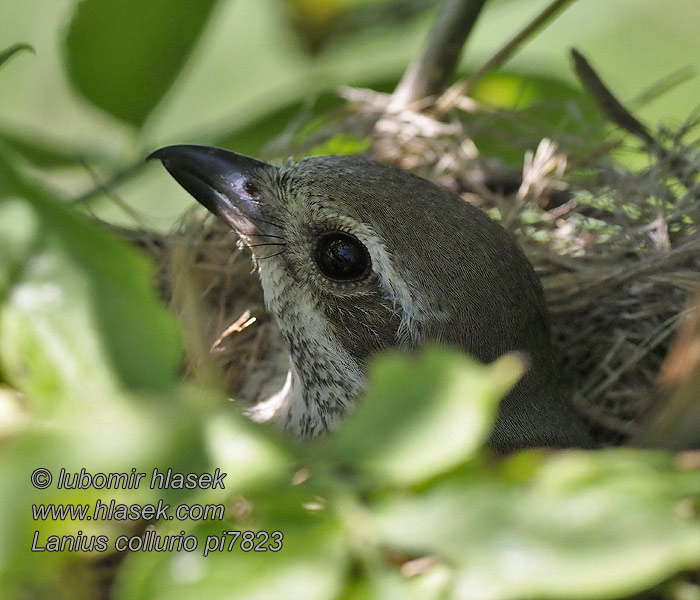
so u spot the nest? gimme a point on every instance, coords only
(617, 250)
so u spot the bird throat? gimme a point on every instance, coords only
(324, 379)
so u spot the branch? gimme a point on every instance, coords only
(429, 73)
(448, 99)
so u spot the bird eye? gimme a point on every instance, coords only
(342, 256)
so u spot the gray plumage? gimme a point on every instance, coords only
(439, 270)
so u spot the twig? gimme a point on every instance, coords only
(664, 85)
(431, 71)
(108, 190)
(102, 188)
(14, 49)
(449, 98)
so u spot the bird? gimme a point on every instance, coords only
(355, 257)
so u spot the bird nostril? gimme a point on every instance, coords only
(251, 188)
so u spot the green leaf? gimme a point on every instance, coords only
(310, 564)
(47, 153)
(530, 108)
(123, 56)
(388, 584)
(587, 525)
(79, 314)
(423, 417)
(248, 452)
(342, 143)
(116, 433)
(8, 53)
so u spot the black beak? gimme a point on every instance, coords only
(226, 183)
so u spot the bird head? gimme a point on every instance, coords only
(356, 256)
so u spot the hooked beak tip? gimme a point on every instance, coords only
(166, 153)
(156, 154)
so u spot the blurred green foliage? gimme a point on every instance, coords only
(142, 46)
(405, 502)
(249, 65)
